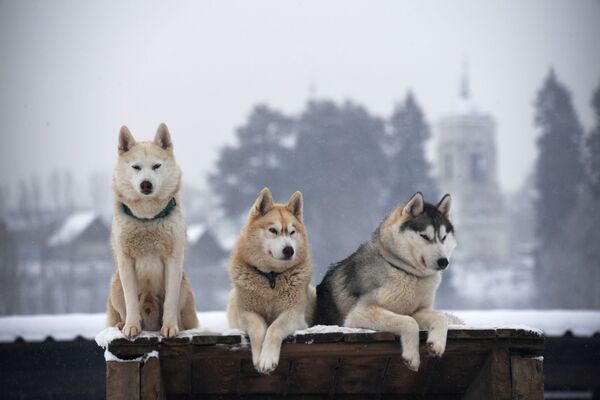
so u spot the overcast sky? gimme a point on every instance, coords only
(72, 72)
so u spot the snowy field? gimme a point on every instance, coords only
(71, 326)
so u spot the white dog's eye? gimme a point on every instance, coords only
(273, 230)
(136, 167)
(156, 166)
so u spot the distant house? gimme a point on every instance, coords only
(81, 236)
(204, 249)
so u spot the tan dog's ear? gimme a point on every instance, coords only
(444, 205)
(263, 203)
(414, 206)
(295, 205)
(163, 137)
(126, 140)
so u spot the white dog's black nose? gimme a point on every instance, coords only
(146, 187)
(288, 252)
(442, 263)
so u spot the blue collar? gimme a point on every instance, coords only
(165, 211)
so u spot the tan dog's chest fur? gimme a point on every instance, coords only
(254, 293)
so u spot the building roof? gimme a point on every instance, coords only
(73, 226)
(71, 326)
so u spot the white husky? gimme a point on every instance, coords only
(149, 290)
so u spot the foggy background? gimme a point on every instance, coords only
(353, 103)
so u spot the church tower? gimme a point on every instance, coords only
(466, 166)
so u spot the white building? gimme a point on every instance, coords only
(466, 166)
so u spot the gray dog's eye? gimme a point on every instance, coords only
(136, 167)
(424, 237)
(156, 166)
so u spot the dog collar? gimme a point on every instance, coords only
(165, 211)
(270, 276)
(401, 269)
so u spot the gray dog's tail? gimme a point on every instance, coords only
(326, 312)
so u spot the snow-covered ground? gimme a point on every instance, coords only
(70, 326)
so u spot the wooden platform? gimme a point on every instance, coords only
(478, 364)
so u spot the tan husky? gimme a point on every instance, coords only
(271, 271)
(149, 290)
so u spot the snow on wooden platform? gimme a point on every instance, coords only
(70, 326)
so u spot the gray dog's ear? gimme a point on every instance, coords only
(163, 137)
(295, 205)
(263, 203)
(414, 206)
(444, 205)
(126, 140)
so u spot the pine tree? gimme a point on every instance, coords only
(340, 168)
(408, 169)
(593, 149)
(260, 159)
(558, 169)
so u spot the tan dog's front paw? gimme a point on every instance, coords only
(131, 330)
(169, 330)
(412, 360)
(435, 348)
(267, 362)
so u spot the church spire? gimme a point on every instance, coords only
(464, 81)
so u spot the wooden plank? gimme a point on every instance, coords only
(151, 385)
(369, 337)
(215, 375)
(493, 381)
(204, 340)
(176, 374)
(253, 382)
(527, 378)
(360, 375)
(122, 380)
(312, 375)
(329, 337)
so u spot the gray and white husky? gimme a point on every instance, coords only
(389, 283)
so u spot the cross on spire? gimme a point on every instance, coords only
(464, 82)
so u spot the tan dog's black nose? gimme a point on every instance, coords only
(288, 252)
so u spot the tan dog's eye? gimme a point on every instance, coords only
(156, 166)
(136, 167)
(273, 230)
(292, 232)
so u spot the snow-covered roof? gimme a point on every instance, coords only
(71, 326)
(194, 232)
(73, 226)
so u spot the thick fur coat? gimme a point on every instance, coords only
(390, 282)
(149, 290)
(271, 271)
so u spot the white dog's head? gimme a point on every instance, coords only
(146, 170)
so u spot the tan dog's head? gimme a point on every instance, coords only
(420, 234)
(274, 238)
(146, 170)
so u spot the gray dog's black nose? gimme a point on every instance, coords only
(146, 187)
(442, 263)
(288, 251)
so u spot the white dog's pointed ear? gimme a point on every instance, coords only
(414, 206)
(263, 203)
(444, 205)
(126, 140)
(295, 205)
(163, 137)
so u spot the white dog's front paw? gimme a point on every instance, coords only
(267, 362)
(436, 343)
(131, 330)
(411, 359)
(169, 330)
